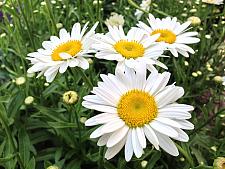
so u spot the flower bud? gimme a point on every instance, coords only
(70, 97)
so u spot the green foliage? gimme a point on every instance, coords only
(47, 131)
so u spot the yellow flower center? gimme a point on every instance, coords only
(165, 35)
(71, 47)
(131, 49)
(137, 108)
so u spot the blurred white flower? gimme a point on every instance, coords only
(194, 74)
(218, 79)
(194, 20)
(30, 74)
(144, 163)
(199, 72)
(28, 100)
(208, 36)
(216, 2)
(223, 79)
(83, 119)
(59, 25)
(53, 167)
(43, 3)
(193, 10)
(145, 5)
(115, 20)
(3, 35)
(20, 80)
(46, 84)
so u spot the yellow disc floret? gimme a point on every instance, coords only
(71, 47)
(129, 49)
(165, 36)
(137, 108)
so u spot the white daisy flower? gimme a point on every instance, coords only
(115, 20)
(60, 53)
(216, 2)
(129, 50)
(145, 5)
(173, 33)
(136, 109)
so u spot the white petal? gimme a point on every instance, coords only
(141, 137)
(47, 45)
(182, 136)
(101, 108)
(83, 63)
(169, 95)
(75, 33)
(168, 121)
(64, 55)
(128, 146)
(163, 128)
(167, 144)
(138, 151)
(112, 126)
(151, 136)
(112, 151)
(117, 136)
(103, 140)
(63, 67)
(64, 35)
(101, 119)
(160, 82)
(185, 124)
(97, 133)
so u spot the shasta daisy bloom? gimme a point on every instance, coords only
(129, 50)
(134, 110)
(173, 33)
(59, 53)
(216, 2)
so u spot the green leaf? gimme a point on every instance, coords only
(15, 104)
(4, 99)
(7, 158)
(60, 125)
(31, 164)
(24, 146)
(154, 158)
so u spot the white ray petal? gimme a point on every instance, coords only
(117, 136)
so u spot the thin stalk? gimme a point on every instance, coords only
(85, 78)
(27, 24)
(78, 126)
(51, 15)
(185, 155)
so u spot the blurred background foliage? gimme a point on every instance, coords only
(45, 132)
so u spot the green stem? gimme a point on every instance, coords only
(51, 15)
(160, 12)
(85, 78)
(78, 126)
(10, 137)
(185, 155)
(132, 3)
(27, 24)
